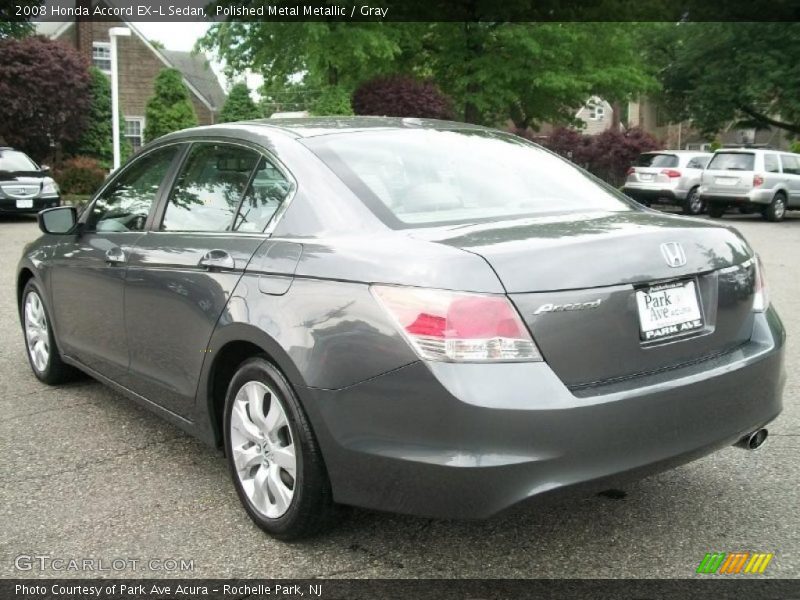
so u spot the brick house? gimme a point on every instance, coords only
(139, 63)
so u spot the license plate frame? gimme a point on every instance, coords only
(25, 203)
(668, 310)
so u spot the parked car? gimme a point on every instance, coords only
(424, 317)
(752, 180)
(668, 177)
(25, 187)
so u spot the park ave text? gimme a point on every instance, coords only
(167, 589)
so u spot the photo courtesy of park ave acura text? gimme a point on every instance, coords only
(388, 299)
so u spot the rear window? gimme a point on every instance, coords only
(13, 160)
(732, 161)
(431, 177)
(657, 160)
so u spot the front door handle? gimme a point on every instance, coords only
(115, 255)
(217, 259)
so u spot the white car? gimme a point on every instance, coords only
(668, 177)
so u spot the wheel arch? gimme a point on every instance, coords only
(23, 277)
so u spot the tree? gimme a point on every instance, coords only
(170, 107)
(44, 86)
(714, 73)
(401, 96)
(97, 138)
(10, 25)
(239, 106)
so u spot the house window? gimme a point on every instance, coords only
(101, 56)
(596, 112)
(134, 131)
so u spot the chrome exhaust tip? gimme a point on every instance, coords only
(753, 440)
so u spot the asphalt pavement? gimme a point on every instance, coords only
(86, 474)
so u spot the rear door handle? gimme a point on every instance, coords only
(217, 259)
(115, 256)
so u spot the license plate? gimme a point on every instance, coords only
(668, 309)
(646, 176)
(726, 181)
(25, 203)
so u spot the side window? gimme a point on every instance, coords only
(209, 188)
(126, 202)
(698, 162)
(790, 164)
(265, 194)
(771, 164)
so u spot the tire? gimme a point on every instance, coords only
(693, 204)
(776, 210)
(715, 211)
(287, 503)
(40, 343)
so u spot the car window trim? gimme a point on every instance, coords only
(120, 172)
(158, 218)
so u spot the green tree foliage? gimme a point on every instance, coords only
(718, 72)
(530, 72)
(170, 107)
(44, 92)
(333, 100)
(239, 106)
(10, 26)
(97, 138)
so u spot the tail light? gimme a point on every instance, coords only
(761, 297)
(631, 171)
(458, 327)
(758, 180)
(671, 173)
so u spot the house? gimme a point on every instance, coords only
(139, 62)
(597, 116)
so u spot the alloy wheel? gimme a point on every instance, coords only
(780, 207)
(695, 203)
(263, 450)
(36, 333)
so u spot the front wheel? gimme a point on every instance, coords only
(693, 205)
(776, 210)
(715, 211)
(40, 343)
(273, 456)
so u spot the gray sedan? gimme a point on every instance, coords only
(415, 316)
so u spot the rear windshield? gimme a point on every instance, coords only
(657, 160)
(732, 161)
(13, 160)
(431, 177)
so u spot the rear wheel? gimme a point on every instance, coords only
(40, 343)
(776, 210)
(693, 205)
(715, 211)
(274, 459)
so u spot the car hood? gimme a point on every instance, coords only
(575, 251)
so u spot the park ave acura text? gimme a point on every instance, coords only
(416, 316)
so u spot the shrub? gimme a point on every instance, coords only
(239, 106)
(170, 107)
(333, 100)
(79, 175)
(402, 96)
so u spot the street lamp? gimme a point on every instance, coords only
(114, 33)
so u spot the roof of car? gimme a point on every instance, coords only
(677, 152)
(314, 126)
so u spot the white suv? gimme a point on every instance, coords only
(767, 181)
(669, 176)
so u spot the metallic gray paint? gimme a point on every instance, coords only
(401, 434)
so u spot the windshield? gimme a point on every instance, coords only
(13, 161)
(657, 160)
(428, 177)
(732, 161)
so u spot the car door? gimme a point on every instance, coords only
(182, 272)
(791, 171)
(89, 268)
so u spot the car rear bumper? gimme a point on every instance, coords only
(753, 197)
(470, 440)
(9, 205)
(654, 193)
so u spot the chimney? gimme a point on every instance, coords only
(84, 29)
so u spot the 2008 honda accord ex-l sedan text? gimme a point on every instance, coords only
(416, 316)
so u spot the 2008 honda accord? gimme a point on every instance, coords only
(408, 315)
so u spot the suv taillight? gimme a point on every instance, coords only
(631, 171)
(758, 180)
(458, 326)
(671, 173)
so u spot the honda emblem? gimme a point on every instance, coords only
(673, 253)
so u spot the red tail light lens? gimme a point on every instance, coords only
(631, 171)
(670, 173)
(457, 326)
(758, 180)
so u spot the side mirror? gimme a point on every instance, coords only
(44, 168)
(58, 221)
